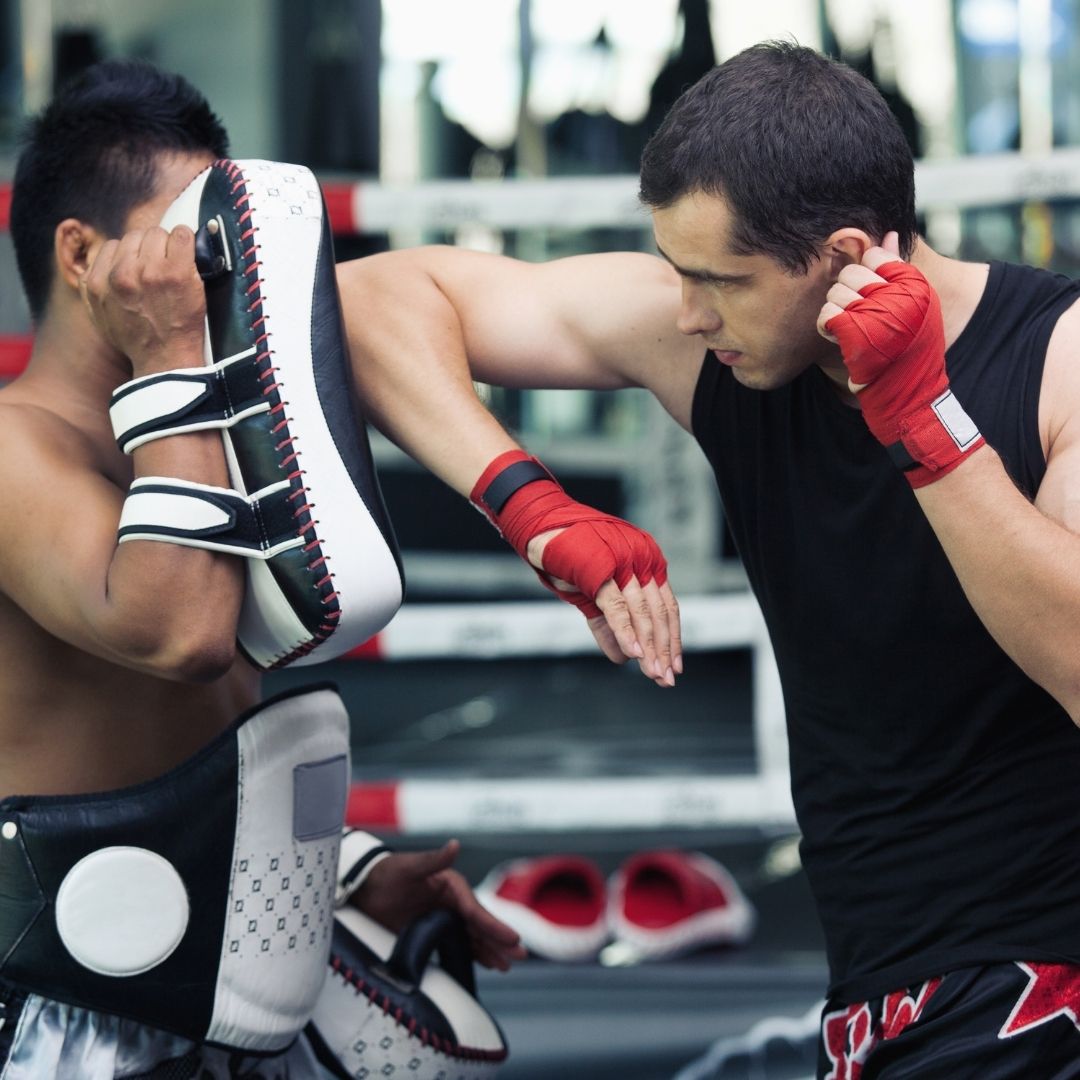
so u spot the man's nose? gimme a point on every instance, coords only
(695, 316)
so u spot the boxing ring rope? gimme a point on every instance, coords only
(546, 628)
(364, 207)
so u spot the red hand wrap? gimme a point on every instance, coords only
(893, 340)
(593, 548)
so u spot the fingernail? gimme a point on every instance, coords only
(678, 664)
(670, 677)
(658, 671)
(638, 650)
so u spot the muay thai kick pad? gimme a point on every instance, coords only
(200, 902)
(304, 509)
(388, 1007)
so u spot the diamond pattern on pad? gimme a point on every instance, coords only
(282, 901)
(282, 191)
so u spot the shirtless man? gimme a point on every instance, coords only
(910, 533)
(121, 658)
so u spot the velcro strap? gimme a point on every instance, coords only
(900, 457)
(359, 853)
(511, 479)
(257, 526)
(187, 399)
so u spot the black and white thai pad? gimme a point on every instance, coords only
(201, 902)
(388, 1007)
(277, 384)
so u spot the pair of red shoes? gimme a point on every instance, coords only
(659, 903)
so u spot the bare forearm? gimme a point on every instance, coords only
(1019, 569)
(411, 370)
(168, 607)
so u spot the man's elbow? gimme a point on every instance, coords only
(205, 662)
(186, 655)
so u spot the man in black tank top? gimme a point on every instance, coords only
(896, 440)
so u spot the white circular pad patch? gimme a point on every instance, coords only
(121, 910)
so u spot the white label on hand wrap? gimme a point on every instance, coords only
(955, 421)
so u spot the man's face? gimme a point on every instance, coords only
(175, 171)
(757, 319)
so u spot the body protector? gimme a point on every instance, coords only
(304, 508)
(199, 903)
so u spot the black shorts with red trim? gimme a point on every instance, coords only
(997, 1022)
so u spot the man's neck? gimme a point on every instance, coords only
(76, 364)
(959, 286)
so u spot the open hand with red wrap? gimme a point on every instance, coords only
(611, 570)
(886, 318)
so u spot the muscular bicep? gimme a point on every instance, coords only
(1059, 424)
(595, 321)
(1059, 492)
(138, 604)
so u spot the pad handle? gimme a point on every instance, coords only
(440, 930)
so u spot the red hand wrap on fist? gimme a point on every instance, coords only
(593, 548)
(893, 341)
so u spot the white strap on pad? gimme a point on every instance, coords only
(187, 399)
(359, 853)
(257, 526)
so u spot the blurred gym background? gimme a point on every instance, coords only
(484, 710)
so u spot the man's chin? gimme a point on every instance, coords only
(757, 379)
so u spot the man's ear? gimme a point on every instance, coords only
(75, 244)
(846, 246)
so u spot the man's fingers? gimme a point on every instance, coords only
(887, 251)
(674, 620)
(605, 638)
(658, 616)
(638, 622)
(852, 279)
(828, 312)
(616, 611)
(154, 245)
(426, 863)
(97, 273)
(638, 609)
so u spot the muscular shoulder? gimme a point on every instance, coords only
(628, 305)
(33, 430)
(1059, 400)
(51, 450)
(1059, 422)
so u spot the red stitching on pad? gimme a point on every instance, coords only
(427, 1038)
(328, 597)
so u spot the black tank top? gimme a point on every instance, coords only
(937, 787)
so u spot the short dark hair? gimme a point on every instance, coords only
(92, 155)
(796, 144)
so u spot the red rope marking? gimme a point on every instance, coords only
(306, 530)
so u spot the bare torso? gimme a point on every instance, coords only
(71, 722)
(74, 722)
